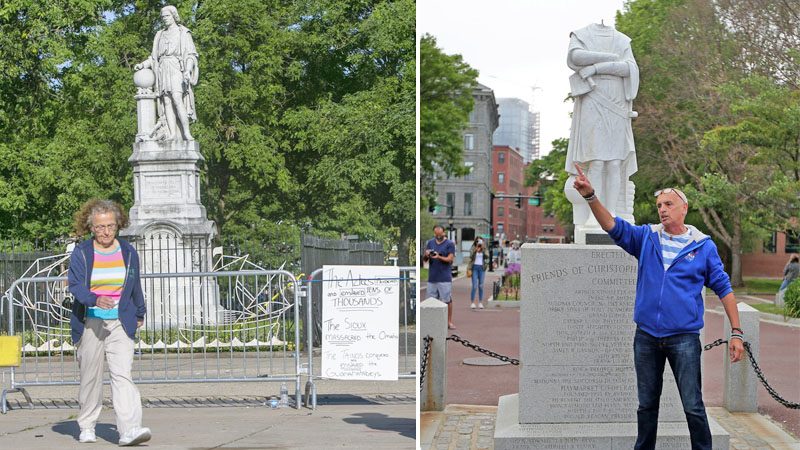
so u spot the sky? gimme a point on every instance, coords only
(518, 46)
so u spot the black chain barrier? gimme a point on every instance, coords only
(423, 363)
(478, 348)
(772, 392)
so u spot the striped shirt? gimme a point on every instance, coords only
(671, 245)
(108, 276)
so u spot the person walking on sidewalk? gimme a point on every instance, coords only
(440, 252)
(790, 272)
(478, 258)
(108, 309)
(675, 262)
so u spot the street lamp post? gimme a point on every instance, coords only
(450, 229)
(491, 231)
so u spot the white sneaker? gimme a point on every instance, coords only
(87, 436)
(480, 305)
(135, 436)
(472, 305)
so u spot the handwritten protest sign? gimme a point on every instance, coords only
(360, 322)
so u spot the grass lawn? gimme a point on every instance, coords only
(752, 286)
(768, 308)
(423, 274)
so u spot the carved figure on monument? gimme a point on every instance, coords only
(604, 83)
(174, 63)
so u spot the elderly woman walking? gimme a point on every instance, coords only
(108, 309)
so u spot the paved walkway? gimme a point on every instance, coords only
(372, 415)
(472, 391)
(471, 427)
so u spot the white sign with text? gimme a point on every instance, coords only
(360, 322)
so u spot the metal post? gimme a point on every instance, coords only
(311, 388)
(491, 231)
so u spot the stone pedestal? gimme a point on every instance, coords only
(170, 230)
(741, 383)
(577, 381)
(433, 323)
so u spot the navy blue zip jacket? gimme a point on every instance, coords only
(670, 302)
(131, 303)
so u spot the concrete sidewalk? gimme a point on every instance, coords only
(360, 415)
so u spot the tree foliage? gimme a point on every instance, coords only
(549, 174)
(445, 92)
(305, 114)
(715, 118)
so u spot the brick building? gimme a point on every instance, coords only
(508, 179)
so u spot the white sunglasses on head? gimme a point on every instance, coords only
(677, 191)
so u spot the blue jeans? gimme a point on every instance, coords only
(683, 352)
(785, 284)
(478, 275)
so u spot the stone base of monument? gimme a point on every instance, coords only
(172, 234)
(510, 434)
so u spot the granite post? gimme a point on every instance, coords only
(433, 323)
(741, 384)
(577, 387)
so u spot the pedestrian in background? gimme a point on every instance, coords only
(440, 252)
(790, 272)
(108, 309)
(478, 258)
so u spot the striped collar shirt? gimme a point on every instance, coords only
(671, 245)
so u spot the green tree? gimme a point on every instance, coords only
(445, 92)
(306, 115)
(722, 134)
(549, 175)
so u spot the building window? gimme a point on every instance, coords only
(770, 243)
(501, 178)
(467, 203)
(501, 157)
(469, 142)
(500, 228)
(470, 166)
(451, 203)
(792, 242)
(500, 211)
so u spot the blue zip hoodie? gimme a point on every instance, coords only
(131, 303)
(670, 302)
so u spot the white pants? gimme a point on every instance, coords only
(107, 337)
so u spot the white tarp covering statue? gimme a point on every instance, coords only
(173, 63)
(604, 83)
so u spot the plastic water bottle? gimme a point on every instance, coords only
(284, 401)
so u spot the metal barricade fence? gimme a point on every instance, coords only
(407, 358)
(199, 327)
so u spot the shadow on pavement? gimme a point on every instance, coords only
(104, 431)
(405, 427)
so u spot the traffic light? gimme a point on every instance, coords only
(535, 199)
(519, 200)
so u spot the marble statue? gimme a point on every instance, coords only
(174, 63)
(604, 83)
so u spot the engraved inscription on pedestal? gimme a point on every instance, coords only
(162, 187)
(598, 239)
(577, 338)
